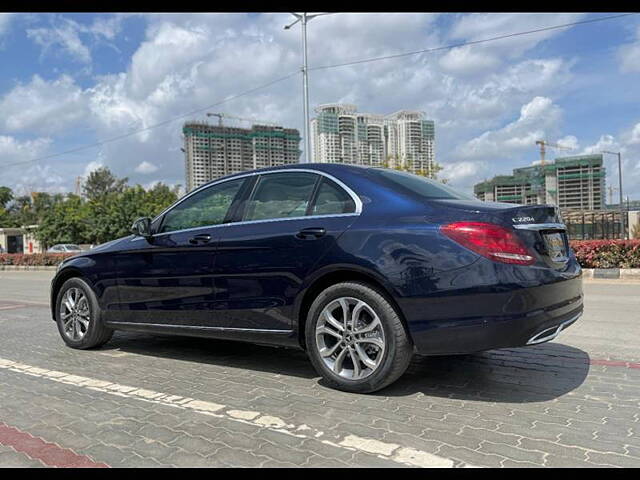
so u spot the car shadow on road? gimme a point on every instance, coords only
(224, 353)
(516, 375)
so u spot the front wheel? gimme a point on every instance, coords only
(78, 316)
(355, 338)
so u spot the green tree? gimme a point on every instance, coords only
(6, 195)
(66, 222)
(101, 182)
(112, 214)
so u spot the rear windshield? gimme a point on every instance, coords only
(424, 187)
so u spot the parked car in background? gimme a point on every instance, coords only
(361, 267)
(65, 248)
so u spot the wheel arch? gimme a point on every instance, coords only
(328, 278)
(58, 281)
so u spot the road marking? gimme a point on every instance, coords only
(50, 454)
(11, 307)
(388, 451)
(613, 363)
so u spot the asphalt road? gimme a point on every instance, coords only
(153, 400)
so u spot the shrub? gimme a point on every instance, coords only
(35, 259)
(607, 253)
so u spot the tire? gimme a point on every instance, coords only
(391, 352)
(89, 330)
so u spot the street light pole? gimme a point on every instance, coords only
(305, 89)
(304, 18)
(622, 219)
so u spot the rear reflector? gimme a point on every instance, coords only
(489, 240)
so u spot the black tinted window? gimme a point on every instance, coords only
(419, 185)
(207, 207)
(281, 195)
(332, 199)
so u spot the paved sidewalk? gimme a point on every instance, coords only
(170, 401)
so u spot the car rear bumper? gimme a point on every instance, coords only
(481, 322)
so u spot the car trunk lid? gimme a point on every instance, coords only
(540, 227)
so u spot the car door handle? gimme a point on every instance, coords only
(311, 233)
(198, 239)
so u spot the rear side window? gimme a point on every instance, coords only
(281, 195)
(332, 199)
(421, 186)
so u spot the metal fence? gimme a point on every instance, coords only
(594, 224)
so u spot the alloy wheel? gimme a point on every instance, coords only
(75, 314)
(350, 338)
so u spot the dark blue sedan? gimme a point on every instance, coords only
(361, 267)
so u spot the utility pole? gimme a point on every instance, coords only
(304, 18)
(622, 219)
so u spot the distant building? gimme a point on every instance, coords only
(212, 151)
(20, 240)
(343, 135)
(576, 182)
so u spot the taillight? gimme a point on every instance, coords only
(489, 240)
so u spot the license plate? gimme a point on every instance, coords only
(556, 247)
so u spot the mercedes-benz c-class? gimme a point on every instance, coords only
(361, 267)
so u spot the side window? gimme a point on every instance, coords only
(281, 195)
(207, 207)
(332, 199)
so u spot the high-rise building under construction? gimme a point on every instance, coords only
(212, 151)
(575, 182)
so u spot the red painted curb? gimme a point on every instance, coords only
(48, 453)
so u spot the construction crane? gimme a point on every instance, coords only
(543, 144)
(224, 115)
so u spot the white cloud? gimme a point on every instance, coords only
(480, 26)
(5, 19)
(605, 142)
(629, 55)
(92, 166)
(569, 141)
(43, 106)
(13, 150)
(146, 167)
(461, 172)
(538, 119)
(468, 61)
(65, 34)
(635, 135)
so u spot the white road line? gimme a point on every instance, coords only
(388, 451)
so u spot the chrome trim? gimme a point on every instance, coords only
(556, 331)
(248, 222)
(352, 194)
(541, 226)
(217, 329)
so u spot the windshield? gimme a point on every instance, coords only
(422, 186)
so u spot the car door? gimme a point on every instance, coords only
(168, 279)
(290, 219)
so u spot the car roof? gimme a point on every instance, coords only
(331, 168)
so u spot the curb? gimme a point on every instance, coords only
(615, 273)
(20, 268)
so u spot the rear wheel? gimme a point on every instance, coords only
(355, 338)
(78, 316)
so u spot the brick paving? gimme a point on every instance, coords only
(557, 404)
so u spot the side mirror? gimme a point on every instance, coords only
(142, 227)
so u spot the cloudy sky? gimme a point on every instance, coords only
(73, 80)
